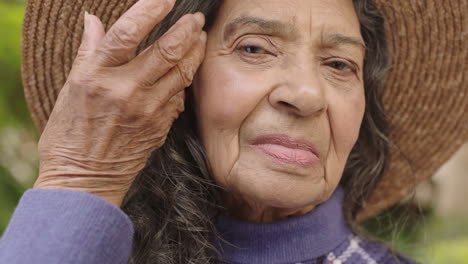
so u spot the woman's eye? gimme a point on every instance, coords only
(341, 66)
(252, 49)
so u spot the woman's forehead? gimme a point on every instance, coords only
(333, 21)
(288, 17)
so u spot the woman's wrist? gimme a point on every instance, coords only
(107, 188)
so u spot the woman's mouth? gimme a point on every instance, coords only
(283, 149)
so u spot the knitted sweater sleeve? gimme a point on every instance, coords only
(61, 226)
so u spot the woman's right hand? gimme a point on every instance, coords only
(115, 108)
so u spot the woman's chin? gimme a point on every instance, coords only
(268, 190)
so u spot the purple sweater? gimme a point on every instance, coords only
(60, 226)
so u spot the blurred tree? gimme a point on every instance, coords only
(10, 193)
(13, 110)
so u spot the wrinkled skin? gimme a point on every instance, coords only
(291, 67)
(115, 109)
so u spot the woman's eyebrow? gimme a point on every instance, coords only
(337, 39)
(265, 26)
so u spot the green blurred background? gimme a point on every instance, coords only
(416, 227)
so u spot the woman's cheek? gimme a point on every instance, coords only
(345, 115)
(228, 95)
(346, 118)
(225, 97)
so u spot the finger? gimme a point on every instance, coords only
(181, 75)
(175, 105)
(172, 47)
(93, 33)
(172, 109)
(123, 38)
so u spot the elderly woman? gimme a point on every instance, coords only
(282, 142)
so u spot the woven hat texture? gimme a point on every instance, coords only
(425, 95)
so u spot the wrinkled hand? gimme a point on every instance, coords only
(115, 108)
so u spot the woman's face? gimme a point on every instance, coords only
(280, 100)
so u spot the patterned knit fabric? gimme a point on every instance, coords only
(357, 250)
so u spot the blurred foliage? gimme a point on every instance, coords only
(410, 230)
(10, 193)
(450, 251)
(444, 240)
(421, 235)
(13, 109)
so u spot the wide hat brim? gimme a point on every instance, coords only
(425, 95)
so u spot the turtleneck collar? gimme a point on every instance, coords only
(290, 240)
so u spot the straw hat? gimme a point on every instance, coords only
(425, 96)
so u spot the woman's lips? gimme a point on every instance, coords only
(283, 149)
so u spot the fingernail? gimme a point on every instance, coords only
(200, 18)
(86, 20)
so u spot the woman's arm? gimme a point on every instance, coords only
(63, 226)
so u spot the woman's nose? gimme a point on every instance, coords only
(300, 92)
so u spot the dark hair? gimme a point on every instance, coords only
(174, 200)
